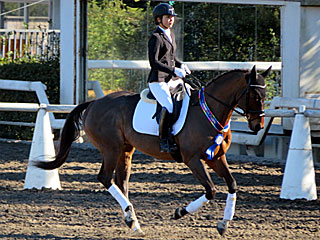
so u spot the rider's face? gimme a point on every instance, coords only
(167, 21)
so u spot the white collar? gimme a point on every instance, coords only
(166, 31)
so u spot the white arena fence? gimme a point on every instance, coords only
(194, 66)
(237, 137)
(57, 108)
(241, 135)
(299, 175)
(39, 89)
(240, 128)
(34, 107)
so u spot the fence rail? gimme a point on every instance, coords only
(34, 107)
(199, 66)
(57, 108)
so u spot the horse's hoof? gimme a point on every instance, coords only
(137, 232)
(129, 222)
(130, 218)
(222, 226)
(180, 212)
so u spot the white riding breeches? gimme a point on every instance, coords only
(160, 91)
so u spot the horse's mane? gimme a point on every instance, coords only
(225, 73)
(195, 91)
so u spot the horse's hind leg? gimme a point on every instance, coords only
(121, 162)
(123, 170)
(222, 169)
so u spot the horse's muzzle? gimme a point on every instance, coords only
(256, 124)
(257, 128)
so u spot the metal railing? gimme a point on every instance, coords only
(17, 43)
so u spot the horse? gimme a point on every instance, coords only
(107, 123)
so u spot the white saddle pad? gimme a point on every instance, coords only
(143, 122)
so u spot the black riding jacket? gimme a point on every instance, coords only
(162, 57)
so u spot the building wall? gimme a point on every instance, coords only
(310, 52)
(17, 22)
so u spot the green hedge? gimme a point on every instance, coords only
(46, 71)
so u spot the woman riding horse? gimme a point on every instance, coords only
(108, 125)
(165, 68)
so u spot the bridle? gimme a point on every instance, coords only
(246, 112)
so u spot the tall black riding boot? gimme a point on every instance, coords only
(172, 144)
(164, 130)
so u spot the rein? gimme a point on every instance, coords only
(245, 91)
(225, 104)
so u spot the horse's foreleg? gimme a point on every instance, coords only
(222, 169)
(202, 175)
(105, 177)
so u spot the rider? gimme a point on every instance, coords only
(165, 67)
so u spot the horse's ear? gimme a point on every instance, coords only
(266, 73)
(253, 73)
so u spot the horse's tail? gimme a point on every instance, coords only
(70, 132)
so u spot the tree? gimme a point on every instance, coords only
(120, 29)
(116, 31)
(232, 33)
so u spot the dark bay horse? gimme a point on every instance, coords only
(108, 125)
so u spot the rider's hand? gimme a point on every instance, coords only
(185, 68)
(180, 72)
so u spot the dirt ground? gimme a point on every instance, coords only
(85, 210)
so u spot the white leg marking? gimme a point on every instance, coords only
(119, 196)
(197, 204)
(125, 203)
(230, 206)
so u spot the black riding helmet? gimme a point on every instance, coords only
(162, 9)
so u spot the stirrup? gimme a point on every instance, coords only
(172, 144)
(167, 146)
(173, 147)
(164, 145)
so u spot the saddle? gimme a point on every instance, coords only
(177, 95)
(180, 101)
